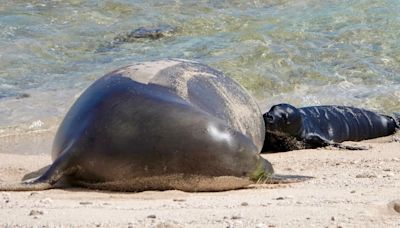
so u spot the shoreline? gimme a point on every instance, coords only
(349, 188)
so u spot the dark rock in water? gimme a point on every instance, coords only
(16, 95)
(23, 95)
(145, 33)
(140, 34)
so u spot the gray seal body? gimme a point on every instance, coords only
(169, 124)
(290, 128)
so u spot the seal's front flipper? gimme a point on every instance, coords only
(286, 179)
(23, 186)
(33, 184)
(283, 179)
(36, 173)
(315, 141)
(43, 182)
(348, 147)
(47, 178)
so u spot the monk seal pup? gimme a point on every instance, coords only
(169, 124)
(290, 128)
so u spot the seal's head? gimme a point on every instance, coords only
(284, 120)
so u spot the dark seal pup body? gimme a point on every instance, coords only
(290, 128)
(171, 124)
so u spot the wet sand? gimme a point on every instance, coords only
(349, 189)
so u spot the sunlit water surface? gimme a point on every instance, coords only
(300, 52)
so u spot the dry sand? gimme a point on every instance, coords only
(350, 189)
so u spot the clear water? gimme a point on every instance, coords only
(301, 52)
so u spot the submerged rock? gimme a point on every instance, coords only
(145, 33)
(140, 34)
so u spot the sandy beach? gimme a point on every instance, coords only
(349, 189)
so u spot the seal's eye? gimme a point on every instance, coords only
(270, 117)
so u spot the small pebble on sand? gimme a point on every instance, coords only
(395, 205)
(244, 204)
(85, 203)
(46, 201)
(365, 175)
(236, 217)
(35, 212)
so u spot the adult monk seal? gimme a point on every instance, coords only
(170, 124)
(290, 128)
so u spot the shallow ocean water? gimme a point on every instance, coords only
(304, 52)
